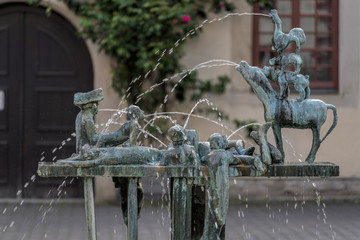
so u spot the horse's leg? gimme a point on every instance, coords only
(315, 145)
(278, 140)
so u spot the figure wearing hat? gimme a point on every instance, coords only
(84, 125)
(87, 137)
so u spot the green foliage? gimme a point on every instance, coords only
(145, 37)
(263, 3)
(142, 37)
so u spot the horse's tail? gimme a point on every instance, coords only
(332, 107)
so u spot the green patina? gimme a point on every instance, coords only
(199, 171)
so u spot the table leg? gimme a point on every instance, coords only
(181, 209)
(89, 208)
(132, 208)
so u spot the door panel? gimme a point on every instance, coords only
(11, 49)
(53, 65)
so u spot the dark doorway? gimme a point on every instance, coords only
(43, 62)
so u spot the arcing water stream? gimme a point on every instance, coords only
(46, 209)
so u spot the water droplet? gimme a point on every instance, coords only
(33, 177)
(4, 211)
(26, 185)
(12, 224)
(54, 150)
(18, 193)
(234, 180)
(15, 208)
(22, 202)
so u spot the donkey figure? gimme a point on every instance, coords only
(285, 113)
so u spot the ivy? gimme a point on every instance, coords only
(145, 39)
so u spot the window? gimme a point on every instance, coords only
(319, 20)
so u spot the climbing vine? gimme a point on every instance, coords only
(145, 38)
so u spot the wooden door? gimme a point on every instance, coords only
(43, 63)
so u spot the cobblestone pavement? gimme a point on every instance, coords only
(278, 221)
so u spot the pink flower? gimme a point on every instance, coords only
(95, 22)
(186, 18)
(221, 5)
(96, 10)
(175, 21)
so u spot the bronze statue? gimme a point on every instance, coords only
(84, 124)
(99, 149)
(309, 113)
(282, 40)
(179, 153)
(302, 113)
(285, 79)
(218, 161)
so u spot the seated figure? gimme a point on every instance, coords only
(88, 142)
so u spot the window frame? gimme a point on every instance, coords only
(316, 85)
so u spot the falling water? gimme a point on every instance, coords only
(118, 113)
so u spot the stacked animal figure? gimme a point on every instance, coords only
(281, 112)
(277, 72)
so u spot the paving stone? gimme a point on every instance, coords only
(254, 221)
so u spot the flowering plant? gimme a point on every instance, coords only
(140, 37)
(137, 33)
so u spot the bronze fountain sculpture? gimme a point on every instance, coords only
(302, 113)
(191, 164)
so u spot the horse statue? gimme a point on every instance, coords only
(288, 113)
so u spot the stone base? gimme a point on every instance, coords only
(293, 189)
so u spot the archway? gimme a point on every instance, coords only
(43, 62)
